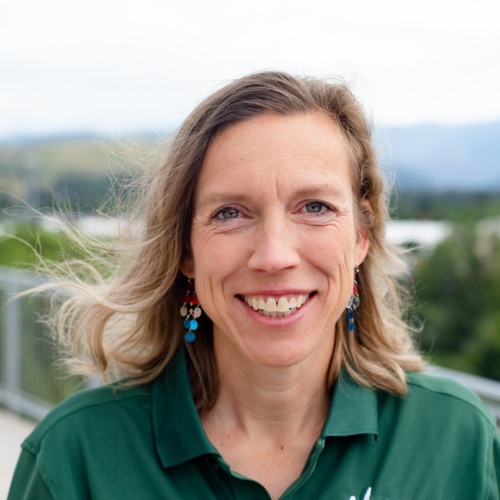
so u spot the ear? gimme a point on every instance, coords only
(362, 246)
(187, 267)
(363, 232)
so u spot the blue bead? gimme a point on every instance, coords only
(350, 326)
(193, 325)
(187, 323)
(190, 336)
(350, 315)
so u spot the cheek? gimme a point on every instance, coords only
(333, 253)
(213, 250)
(335, 243)
(215, 260)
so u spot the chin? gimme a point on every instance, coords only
(282, 356)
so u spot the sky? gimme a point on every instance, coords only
(119, 66)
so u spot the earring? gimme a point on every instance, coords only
(191, 311)
(353, 303)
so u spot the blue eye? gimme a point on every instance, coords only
(316, 207)
(227, 213)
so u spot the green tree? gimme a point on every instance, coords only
(28, 240)
(458, 291)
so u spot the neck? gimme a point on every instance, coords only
(266, 419)
(271, 400)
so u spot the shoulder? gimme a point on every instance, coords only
(439, 417)
(447, 397)
(104, 405)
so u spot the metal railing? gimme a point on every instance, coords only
(30, 384)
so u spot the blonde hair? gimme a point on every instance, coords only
(129, 325)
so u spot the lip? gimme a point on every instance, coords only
(279, 322)
(276, 292)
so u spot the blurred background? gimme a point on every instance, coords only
(90, 90)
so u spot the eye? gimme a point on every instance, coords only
(317, 207)
(226, 213)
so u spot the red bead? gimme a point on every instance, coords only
(187, 299)
(355, 290)
(194, 300)
(190, 286)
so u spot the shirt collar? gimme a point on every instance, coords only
(180, 437)
(354, 409)
(178, 432)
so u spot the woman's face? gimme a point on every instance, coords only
(274, 238)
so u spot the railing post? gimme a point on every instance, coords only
(12, 348)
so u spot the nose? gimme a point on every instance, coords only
(274, 246)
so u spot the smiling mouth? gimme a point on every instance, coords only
(276, 307)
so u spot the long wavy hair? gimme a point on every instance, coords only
(128, 325)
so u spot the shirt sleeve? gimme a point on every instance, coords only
(494, 474)
(27, 482)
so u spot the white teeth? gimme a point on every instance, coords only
(271, 305)
(283, 305)
(277, 309)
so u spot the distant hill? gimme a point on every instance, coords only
(76, 168)
(436, 157)
(421, 157)
(51, 156)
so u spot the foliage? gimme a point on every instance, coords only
(458, 289)
(29, 241)
(456, 206)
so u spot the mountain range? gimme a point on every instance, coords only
(465, 157)
(419, 157)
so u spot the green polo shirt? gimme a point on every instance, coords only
(148, 443)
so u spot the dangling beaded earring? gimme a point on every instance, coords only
(353, 303)
(191, 311)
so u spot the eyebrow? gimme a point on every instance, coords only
(311, 191)
(320, 190)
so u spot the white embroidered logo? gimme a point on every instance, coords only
(367, 496)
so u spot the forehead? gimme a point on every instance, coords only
(308, 131)
(310, 143)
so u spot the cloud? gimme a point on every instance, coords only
(111, 65)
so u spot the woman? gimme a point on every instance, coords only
(289, 372)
